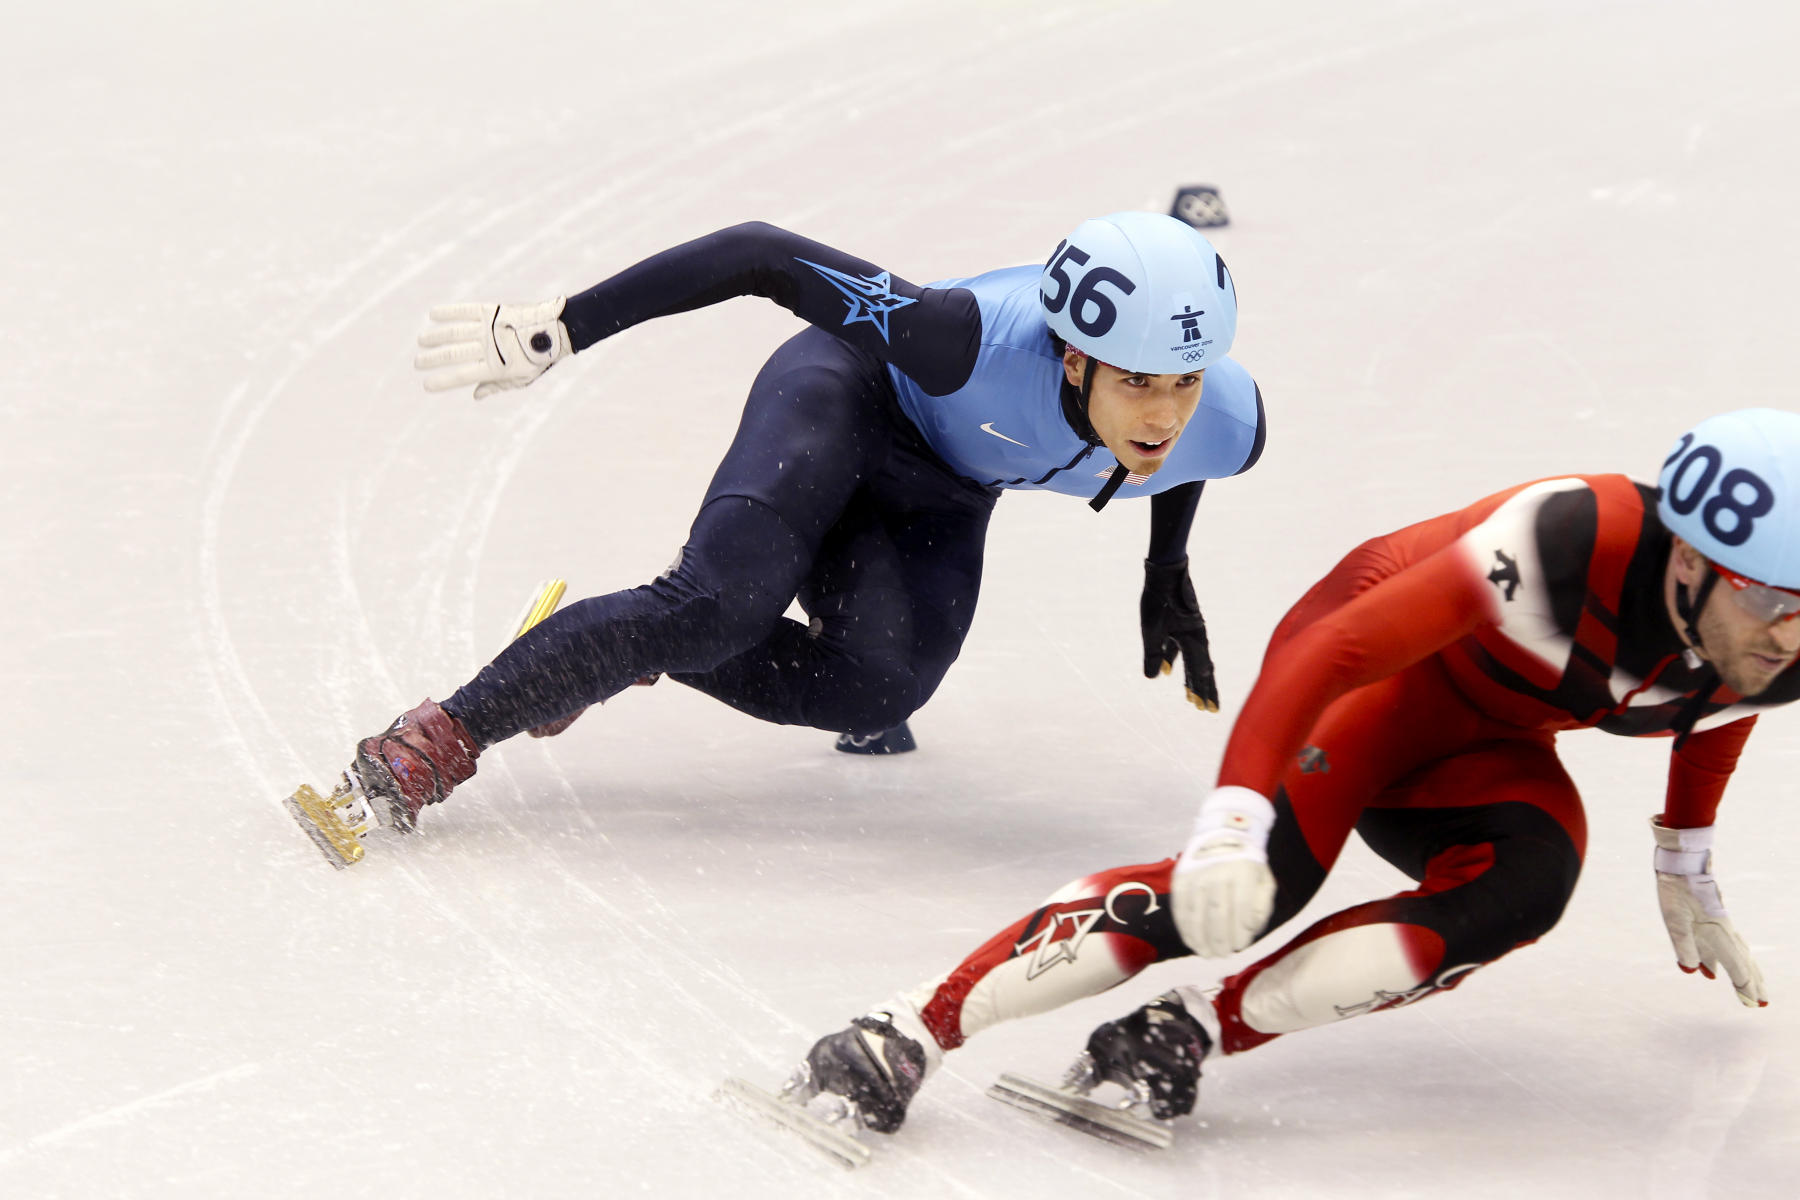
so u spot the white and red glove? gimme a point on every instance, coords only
(1222, 891)
(493, 346)
(1698, 925)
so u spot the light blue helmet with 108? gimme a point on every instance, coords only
(1731, 488)
(1140, 291)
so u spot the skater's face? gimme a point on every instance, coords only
(1747, 649)
(1139, 417)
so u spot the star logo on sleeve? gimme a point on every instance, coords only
(869, 298)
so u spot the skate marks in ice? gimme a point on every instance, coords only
(339, 824)
(1068, 1105)
(824, 1122)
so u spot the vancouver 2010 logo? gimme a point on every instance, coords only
(1190, 322)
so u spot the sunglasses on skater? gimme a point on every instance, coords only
(1767, 604)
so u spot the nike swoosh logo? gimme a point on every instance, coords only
(989, 428)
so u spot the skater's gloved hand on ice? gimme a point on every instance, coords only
(1170, 616)
(1698, 924)
(1223, 891)
(493, 346)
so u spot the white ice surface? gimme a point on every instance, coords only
(1475, 243)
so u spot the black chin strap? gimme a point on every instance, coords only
(1075, 406)
(1075, 412)
(1689, 609)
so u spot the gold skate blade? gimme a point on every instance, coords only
(319, 817)
(543, 602)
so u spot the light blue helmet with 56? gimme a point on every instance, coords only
(1731, 487)
(1140, 291)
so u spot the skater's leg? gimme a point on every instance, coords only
(1102, 929)
(736, 575)
(1495, 838)
(1075, 944)
(819, 420)
(1092, 934)
(891, 597)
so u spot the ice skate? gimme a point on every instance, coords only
(862, 1077)
(897, 740)
(336, 823)
(872, 1068)
(1154, 1054)
(414, 762)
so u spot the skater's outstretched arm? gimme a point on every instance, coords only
(931, 334)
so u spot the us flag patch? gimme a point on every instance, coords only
(1131, 477)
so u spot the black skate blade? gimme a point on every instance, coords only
(335, 840)
(829, 1139)
(1098, 1120)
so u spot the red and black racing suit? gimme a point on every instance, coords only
(1414, 695)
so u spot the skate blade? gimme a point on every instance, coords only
(319, 817)
(833, 1141)
(1078, 1112)
(543, 602)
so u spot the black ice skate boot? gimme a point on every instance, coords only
(871, 1068)
(414, 762)
(1154, 1053)
(897, 740)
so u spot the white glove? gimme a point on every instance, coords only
(494, 346)
(1222, 891)
(1691, 908)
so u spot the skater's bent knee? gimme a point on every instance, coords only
(867, 704)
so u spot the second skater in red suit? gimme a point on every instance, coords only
(1414, 696)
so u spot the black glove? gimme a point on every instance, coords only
(1172, 625)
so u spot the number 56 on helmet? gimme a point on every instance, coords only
(1140, 291)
